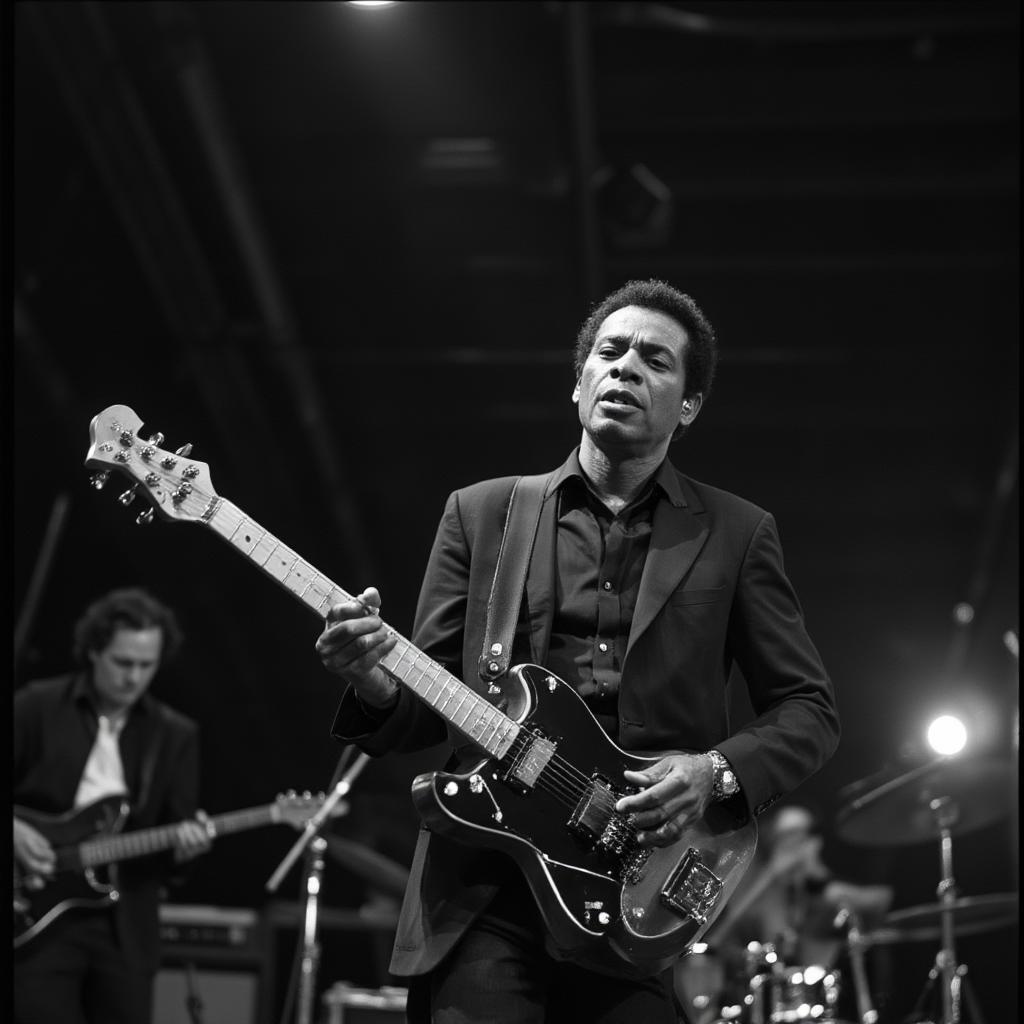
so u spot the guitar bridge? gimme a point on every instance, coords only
(692, 889)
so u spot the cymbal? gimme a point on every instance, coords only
(971, 916)
(897, 812)
(379, 871)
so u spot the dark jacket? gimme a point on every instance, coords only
(54, 729)
(713, 593)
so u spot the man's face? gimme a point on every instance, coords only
(630, 392)
(123, 670)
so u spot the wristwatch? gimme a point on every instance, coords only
(726, 784)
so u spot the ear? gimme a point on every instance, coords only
(576, 391)
(690, 408)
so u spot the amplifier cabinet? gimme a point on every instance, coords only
(346, 1004)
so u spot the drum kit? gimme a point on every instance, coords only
(930, 803)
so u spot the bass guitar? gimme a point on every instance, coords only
(89, 843)
(545, 788)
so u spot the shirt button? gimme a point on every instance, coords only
(603, 648)
(607, 585)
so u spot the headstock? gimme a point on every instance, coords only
(177, 486)
(296, 809)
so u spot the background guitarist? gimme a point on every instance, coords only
(645, 588)
(80, 737)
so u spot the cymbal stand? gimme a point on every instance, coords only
(953, 975)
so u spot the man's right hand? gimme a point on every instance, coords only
(32, 850)
(352, 644)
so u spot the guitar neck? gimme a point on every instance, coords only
(109, 849)
(464, 709)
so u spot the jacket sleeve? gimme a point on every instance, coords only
(437, 631)
(796, 728)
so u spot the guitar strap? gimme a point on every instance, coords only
(521, 521)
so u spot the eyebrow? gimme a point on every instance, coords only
(644, 344)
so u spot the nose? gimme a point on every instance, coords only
(627, 366)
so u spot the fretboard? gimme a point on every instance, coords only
(469, 713)
(108, 849)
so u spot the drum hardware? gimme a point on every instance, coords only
(866, 1012)
(935, 800)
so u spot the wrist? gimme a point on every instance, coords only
(725, 784)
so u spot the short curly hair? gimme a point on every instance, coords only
(702, 348)
(125, 608)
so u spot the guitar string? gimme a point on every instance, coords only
(563, 773)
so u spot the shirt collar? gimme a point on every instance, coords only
(83, 694)
(665, 478)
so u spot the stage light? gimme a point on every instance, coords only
(947, 735)
(371, 3)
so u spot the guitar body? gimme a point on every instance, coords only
(597, 889)
(38, 902)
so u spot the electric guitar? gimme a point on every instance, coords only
(545, 788)
(89, 843)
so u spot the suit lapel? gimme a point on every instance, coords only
(677, 535)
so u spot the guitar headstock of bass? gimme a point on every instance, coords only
(177, 487)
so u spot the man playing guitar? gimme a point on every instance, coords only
(645, 589)
(81, 741)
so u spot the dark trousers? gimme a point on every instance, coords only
(75, 973)
(499, 973)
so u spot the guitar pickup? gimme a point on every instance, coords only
(594, 812)
(692, 889)
(530, 760)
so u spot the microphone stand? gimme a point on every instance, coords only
(314, 874)
(193, 1003)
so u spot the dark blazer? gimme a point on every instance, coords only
(54, 729)
(713, 593)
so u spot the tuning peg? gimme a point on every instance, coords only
(99, 479)
(145, 517)
(157, 439)
(129, 496)
(185, 449)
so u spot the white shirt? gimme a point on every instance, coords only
(103, 774)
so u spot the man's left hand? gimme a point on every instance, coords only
(192, 838)
(673, 792)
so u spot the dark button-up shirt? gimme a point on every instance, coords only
(600, 560)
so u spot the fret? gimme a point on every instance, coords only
(244, 538)
(282, 565)
(458, 707)
(299, 576)
(268, 543)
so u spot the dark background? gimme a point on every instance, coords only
(344, 252)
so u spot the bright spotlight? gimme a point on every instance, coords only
(371, 3)
(947, 735)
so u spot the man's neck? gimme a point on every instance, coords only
(617, 478)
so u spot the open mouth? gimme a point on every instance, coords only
(620, 396)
